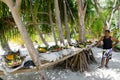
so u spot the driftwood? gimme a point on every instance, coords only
(79, 62)
(45, 64)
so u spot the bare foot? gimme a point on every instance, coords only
(106, 66)
(100, 67)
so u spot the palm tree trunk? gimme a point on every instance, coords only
(51, 23)
(41, 35)
(14, 7)
(58, 21)
(66, 25)
(33, 52)
(81, 17)
(112, 14)
(107, 23)
(119, 17)
(4, 43)
(5, 46)
(24, 34)
(36, 26)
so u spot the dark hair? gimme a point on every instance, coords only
(107, 31)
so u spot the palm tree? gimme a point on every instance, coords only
(51, 23)
(107, 21)
(119, 14)
(34, 18)
(58, 21)
(66, 24)
(81, 16)
(15, 7)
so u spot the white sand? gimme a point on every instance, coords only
(113, 73)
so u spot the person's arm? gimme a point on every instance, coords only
(116, 42)
(99, 41)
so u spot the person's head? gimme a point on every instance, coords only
(107, 32)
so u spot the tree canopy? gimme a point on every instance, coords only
(98, 15)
